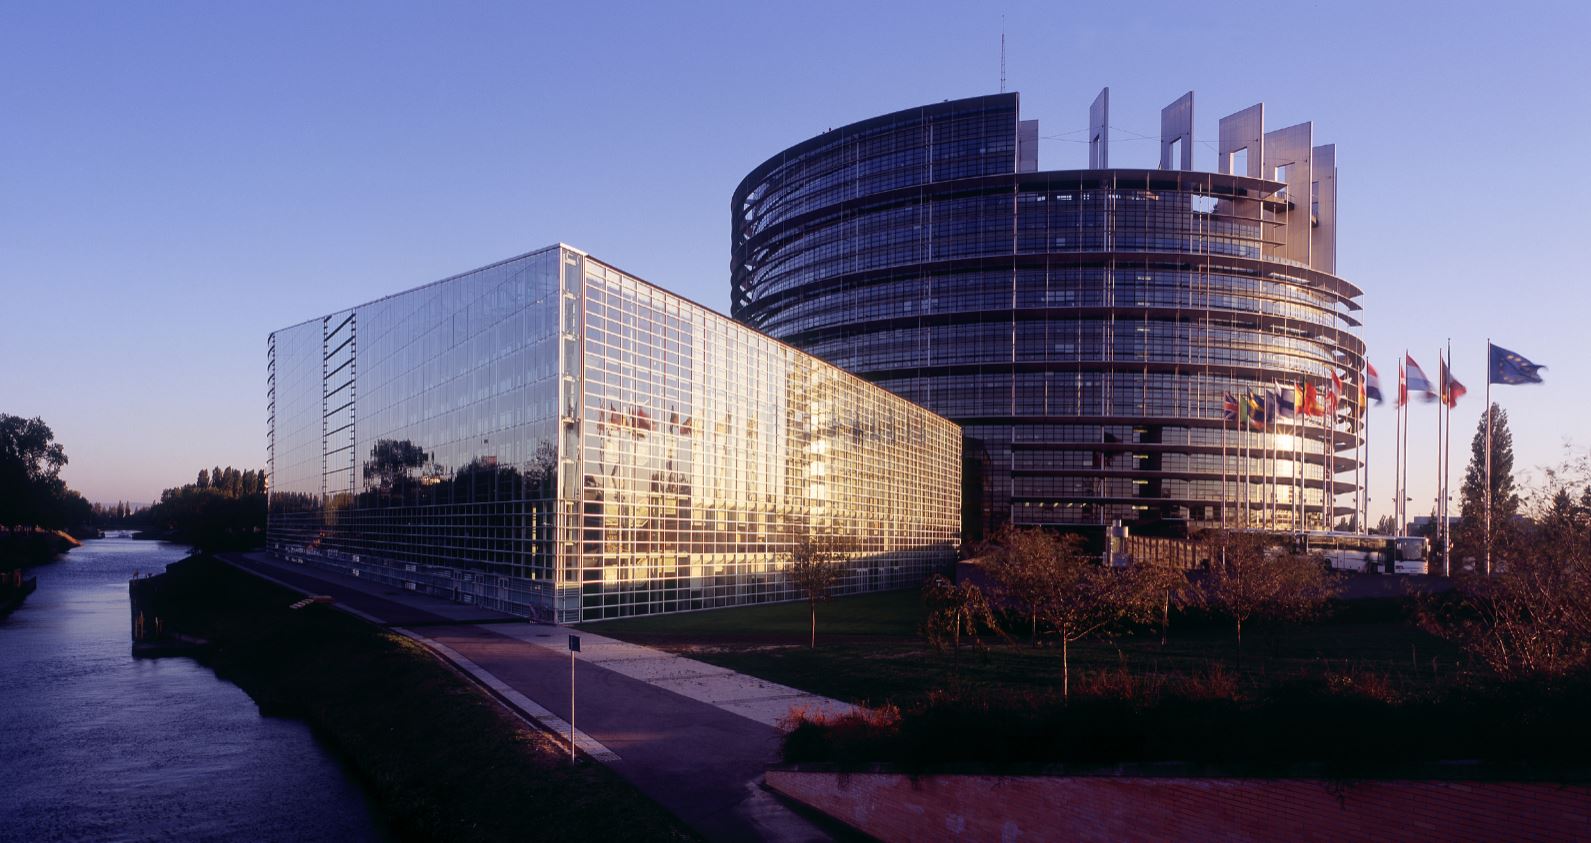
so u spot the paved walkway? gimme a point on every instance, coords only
(694, 737)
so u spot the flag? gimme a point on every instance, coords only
(1335, 395)
(1257, 412)
(1244, 407)
(1287, 402)
(1228, 408)
(1452, 390)
(1403, 385)
(1372, 387)
(1506, 367)
(1312, 400)
(1418, 380)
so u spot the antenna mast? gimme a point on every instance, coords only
(1002, 54)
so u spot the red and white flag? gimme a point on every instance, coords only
(1452, 390)
(1418, 381)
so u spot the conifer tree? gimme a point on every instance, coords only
(1504, 496)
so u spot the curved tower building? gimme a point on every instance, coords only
(1166, 347)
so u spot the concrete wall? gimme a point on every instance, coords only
(892, 806)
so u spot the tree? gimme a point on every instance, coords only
(1165, 583)
(204, 478)
(1386, 525)
(215, 516)
(1253, 580)
(1074, 594)
(954, 609)
(1562, 513)
(1018, 566)
(30, 465)
(1532, 617)
(1473, 535)
(814, 570)
(393, 465)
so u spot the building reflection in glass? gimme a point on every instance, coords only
(554, 438)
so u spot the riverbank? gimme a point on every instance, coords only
(26, 548)
(14, 588)
(442, 759)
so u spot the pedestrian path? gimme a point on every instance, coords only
(694, 737)
(756, 699)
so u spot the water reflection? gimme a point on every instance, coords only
(95, 745)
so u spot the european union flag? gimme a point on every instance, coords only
(1509, 368)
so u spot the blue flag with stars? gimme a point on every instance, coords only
(1506, 367)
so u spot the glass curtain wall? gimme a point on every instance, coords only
(1082, 326)
(551, 437)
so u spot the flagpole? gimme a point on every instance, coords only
(1325, 464)
(1358, 453)
(1364, 508)
(1325, 461)
(1397, 455)
(1270, 473)
(1242, 457)
(1299, 484)
(1331, 452)
(1486, 565)
(1403, 497)
(1250, 495)
(1447, 475)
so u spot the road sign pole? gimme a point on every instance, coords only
(571, 706)
(574, 647)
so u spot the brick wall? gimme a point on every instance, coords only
(892, 807)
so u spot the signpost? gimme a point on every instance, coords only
(574, 647)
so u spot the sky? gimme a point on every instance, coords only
(178, 179)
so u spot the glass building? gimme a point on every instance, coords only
(552, 437)
(1083, 326)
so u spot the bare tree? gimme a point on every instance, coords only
(1532, 617)
(814, 571)
(1165, 583)
(1071, 592)
(1253, 579)
(954, 609)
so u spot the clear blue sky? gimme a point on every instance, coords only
(179, 179)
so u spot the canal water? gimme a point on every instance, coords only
(97, 745)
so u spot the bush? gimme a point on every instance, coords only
(1350, 723)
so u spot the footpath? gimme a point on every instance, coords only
(694, 737)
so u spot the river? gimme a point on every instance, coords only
(97, 745)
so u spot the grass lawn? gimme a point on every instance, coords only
(443, 761)
(869, 651)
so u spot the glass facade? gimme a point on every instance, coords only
(1082, 326)
(554, 438)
